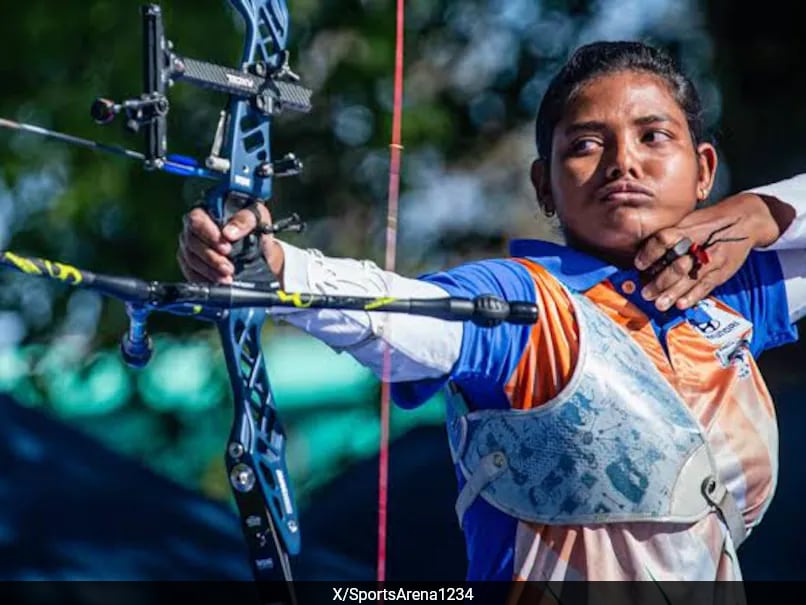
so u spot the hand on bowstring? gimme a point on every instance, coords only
(204, 248)
(682, 265)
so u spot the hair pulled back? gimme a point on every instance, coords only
(602, 58)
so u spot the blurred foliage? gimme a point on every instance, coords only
(475, 71)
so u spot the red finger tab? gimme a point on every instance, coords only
(700, 257)
(699, 254)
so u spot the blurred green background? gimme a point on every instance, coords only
(475, 71)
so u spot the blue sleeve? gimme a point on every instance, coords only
(488, 356)
(757, 291)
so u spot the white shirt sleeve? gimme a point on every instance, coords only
(793, 267)
(793, 193)
(420, 347)
(791, 245)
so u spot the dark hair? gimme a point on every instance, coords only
(601, 58)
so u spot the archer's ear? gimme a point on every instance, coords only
(707, 162)
(542, 184)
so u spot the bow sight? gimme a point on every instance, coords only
(267, 83)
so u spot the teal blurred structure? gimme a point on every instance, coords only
(174, 414)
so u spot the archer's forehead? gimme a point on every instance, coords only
(622, 97)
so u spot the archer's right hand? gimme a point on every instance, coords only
(204, 248)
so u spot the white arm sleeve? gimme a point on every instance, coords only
(793, 193)
(791, 245)
(793, 266)
(420, 347)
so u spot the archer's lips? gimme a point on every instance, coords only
(626, 197)
(624, 192)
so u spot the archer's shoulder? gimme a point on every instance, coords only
(761, 270)
(493, 275)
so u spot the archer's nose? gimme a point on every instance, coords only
(621, 160)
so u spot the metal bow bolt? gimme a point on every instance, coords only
(241, 168)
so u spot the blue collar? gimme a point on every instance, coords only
(581, 272)
(577, 270)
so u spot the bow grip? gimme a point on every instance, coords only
(246, 255)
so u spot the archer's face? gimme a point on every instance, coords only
(623, 164)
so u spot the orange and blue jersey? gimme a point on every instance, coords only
(706, 354)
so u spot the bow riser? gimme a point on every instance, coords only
(241, 153)
(249, 127)
(255, 456)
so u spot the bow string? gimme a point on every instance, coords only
(395, 160)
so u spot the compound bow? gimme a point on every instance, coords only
(242, 170)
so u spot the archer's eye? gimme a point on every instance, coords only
(583, 146)
(656, 136)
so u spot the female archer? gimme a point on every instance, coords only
(628, 434)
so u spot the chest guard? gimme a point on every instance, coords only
(617, 444)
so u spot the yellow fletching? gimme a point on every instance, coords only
(378, 303)
(62, 272)
(23, 264)
(295, 299)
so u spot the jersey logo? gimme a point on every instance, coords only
(720, 327)
(729, 334)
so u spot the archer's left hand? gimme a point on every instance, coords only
(723, 236)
